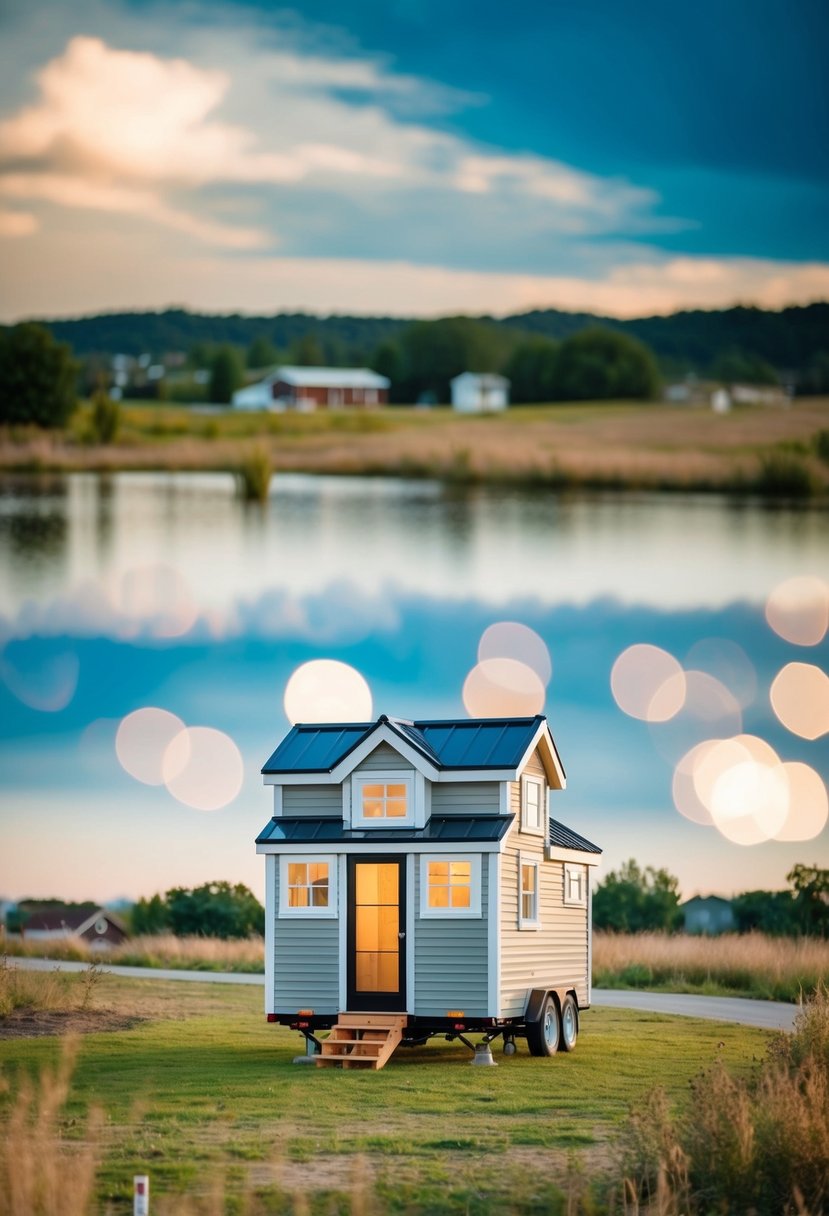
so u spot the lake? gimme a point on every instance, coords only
(165, 590)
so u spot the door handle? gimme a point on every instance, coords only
(401, 936)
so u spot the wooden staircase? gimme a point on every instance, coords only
(362, 1040)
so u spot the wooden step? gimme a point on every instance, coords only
(362, 1040)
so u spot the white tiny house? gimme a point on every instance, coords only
(416, 884)
(479, 392)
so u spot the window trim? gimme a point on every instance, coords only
(569, 867)
(474, 911)
(331, 912)
(534, 829)
(382, 777)
(526, 922)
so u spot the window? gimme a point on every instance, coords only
(528, 873)
(307, 886)
(450, 886)
(382, 800)
(575, 884)
(532, 805)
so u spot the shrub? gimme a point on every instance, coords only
(104, 418)
(253, 475)
(784, 475)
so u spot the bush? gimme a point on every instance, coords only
(603, 364)
(37, 377)
(253, 475)
(104, 418)
(784, 475)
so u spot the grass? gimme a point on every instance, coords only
(774, 453)
(748, 965)
(53, 991)
(253, 474)
(202, 1095)
(157, 950)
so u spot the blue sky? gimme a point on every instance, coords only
(412, 157)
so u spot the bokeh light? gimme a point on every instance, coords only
(709, 711)
(203, 768)
(686, 799)
(798, 610)
(800, 697)
(512, 640)
(808, 803)
(728, 663)
(326, 690)
(156, 597)
(503, 688)
(46, 683)
(750, 802)
(141, 741)
(648, 683)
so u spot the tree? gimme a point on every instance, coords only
(215, 909)
(634, 900)
(735, 366)
(226, 374)
(531, 370)
(810, 886)
(150, 915)
(105, 417)
(306, 351)
(387, 360)
(261, 352)
(37, 377)
(604, 364)
(433, 352)
(771, 912)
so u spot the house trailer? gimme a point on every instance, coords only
(417, 885)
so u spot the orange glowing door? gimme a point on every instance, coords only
(376, 935)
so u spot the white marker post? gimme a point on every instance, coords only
(141, 1195)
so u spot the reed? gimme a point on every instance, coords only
(253, 474)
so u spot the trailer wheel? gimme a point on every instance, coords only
(543, 1035)
(569, 1024)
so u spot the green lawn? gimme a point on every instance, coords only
(203, 1088)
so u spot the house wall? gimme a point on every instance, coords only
(554, 955)
(384, 757)
(306, 960)
(312, 800)
(451, 958)
(466, 797)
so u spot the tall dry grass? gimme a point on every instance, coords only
(771, 968)
(41, 1174)
(46, 990)
(153, 950)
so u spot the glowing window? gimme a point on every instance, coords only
(382, 800)
(450, 886)
(307, 887)
(528, 873)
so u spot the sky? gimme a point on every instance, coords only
(412, 158)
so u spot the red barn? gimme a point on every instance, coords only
(311, 388)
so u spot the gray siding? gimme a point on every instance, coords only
(556, 955)
(312, 800)
(384, 757)
(465, 798)
(451, 959)
(306, 961)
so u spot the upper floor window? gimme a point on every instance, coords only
(382, 800)
(575, 883)
(450, 886)
(307, 886)
(528, 906)
(532, 805)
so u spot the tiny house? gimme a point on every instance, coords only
(416, 884)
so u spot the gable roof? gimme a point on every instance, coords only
(73, 920)
(330, 377)
(566, 838)
(460, 745)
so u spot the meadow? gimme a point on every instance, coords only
(772, 452)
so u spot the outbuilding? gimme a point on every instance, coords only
(479, 393)
(311, 388)
(98, 927)
(416, 884)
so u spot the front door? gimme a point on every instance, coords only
(376, 934)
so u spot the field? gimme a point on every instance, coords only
(773, 452)
(201, 1094)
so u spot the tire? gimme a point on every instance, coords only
(543, 1036)
(569, 1024)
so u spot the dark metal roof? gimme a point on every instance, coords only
(476, 743)
(566, 838)
(474, 829)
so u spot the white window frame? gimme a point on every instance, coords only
(285, 910)
(539, 829)
(529, 922)
(575, 870)
(382, 777)
(474, 909)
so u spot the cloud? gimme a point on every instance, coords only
(17, 223)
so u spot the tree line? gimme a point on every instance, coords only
(633, 899)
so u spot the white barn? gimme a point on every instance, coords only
(479, 392)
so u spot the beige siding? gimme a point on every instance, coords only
(312, 800)
(384, 757)
(465, 797)
(555, 955)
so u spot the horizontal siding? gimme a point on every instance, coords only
(384, 757)
(466, 798)
(312, 800)
(451, 959)
(306, 962)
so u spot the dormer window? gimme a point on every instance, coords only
(382, 800)
(532, 805)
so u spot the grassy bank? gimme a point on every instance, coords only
(156, 950)
(749, 965)
(201, 1094)
(776, 453)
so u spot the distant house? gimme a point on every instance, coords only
(710, 914)
(720, 401)
(755, 394)
(479, 393)
(311, 388)
(97, 926)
